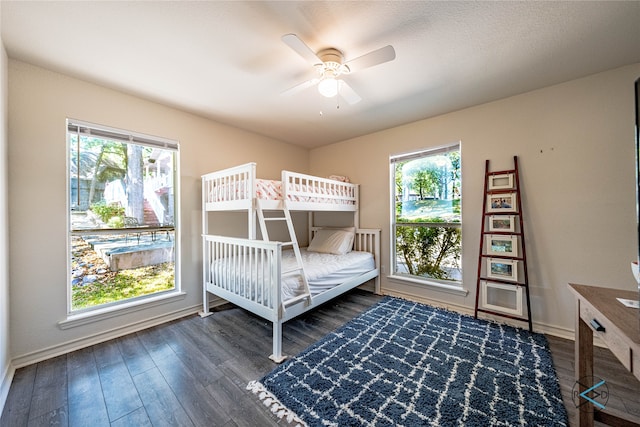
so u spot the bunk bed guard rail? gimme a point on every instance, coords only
(247, 273)
(298, 188)
(236, 188)
(229, 189)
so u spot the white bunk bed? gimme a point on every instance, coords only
(238, 189)
(255, 274)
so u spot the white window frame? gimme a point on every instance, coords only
(447, 286)
(92, 314)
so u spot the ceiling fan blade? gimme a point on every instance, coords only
(348, 93)
(301, 48)
(300, 87)
(379, 56)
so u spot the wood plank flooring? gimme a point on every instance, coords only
(193, 372)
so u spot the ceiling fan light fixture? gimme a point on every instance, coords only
(328, 87)
(330, 65)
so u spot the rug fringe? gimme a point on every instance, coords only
(272, 402)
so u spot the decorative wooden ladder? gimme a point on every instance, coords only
(502, 247)
(298, 270)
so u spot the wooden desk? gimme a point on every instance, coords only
(599, 312)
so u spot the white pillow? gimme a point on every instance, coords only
(332, 241)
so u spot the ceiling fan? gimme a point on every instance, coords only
(330, 67)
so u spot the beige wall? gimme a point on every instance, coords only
(39, 103)
(575, 145)
(6, 371)
(574, 142)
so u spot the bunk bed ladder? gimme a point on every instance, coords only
(298, 270)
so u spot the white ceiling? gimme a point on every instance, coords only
(226, 61)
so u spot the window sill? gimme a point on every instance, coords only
(97, 315)
(436, 286)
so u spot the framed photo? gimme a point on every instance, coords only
(501, 182)
(504, 269)
(502, 202)
(502, 245)
(501, 297)
(502, 223)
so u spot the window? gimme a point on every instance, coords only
(426, 216)
(122, 216)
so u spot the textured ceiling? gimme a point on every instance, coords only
(226, 61)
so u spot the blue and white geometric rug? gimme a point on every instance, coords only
(402, 363)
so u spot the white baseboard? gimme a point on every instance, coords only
(429, 301)
(5, 384)
(537, 327)
(63, 348)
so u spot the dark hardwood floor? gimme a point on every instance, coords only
(623, 387)
(194, 371)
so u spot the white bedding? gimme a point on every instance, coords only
(324, 271)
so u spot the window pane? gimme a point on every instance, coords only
(122, 236)
(428, 252)
(427, 220)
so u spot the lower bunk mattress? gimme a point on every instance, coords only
(324, 271)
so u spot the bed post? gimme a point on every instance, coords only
(356, 213)
(205, 230)
(252, 212)
(376, 254)
(277, 343)
(206, 311)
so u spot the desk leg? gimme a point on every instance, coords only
(583, 368)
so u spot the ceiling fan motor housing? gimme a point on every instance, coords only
(331, 62)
